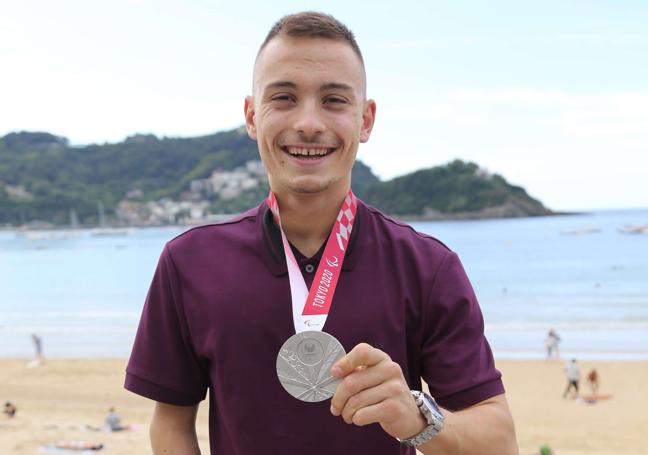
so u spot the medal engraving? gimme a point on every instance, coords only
(304, 363)
(310, 351)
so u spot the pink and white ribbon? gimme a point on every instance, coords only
(310, 308)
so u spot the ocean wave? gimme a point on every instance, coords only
(624, 356)
(67, 329)
(567, 326)
(71, 315)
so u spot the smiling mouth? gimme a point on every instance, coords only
(308, 153)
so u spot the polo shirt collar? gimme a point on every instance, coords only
(272, 247)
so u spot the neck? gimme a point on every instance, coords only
(307, 219)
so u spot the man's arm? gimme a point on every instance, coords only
(173, 430)
(484, 428)
(374, 390)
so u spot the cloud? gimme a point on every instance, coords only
(584, 115)
(561, 145)
(599, 38)
(438, 42)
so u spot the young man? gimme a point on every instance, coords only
(572, 373)
(218, 315)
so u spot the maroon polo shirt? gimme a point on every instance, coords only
(219, 309)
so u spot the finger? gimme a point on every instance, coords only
(375, 413)
(360, 379)
(361, 355)
(370, 397)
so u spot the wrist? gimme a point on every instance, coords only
(432, 416)
(419, 423)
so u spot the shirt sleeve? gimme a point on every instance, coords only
(457, 362)
(163, 365)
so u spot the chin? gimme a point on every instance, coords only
(308, 186)
(309, 189)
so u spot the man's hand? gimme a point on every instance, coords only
(374, 390)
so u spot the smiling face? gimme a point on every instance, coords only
(308, 113)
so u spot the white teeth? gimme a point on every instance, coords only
(297, 151)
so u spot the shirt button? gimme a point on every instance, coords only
(309, 268)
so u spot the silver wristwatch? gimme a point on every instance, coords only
(433, 416)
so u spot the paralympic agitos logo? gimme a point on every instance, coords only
(332, 261)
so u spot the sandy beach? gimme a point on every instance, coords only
(56, 401)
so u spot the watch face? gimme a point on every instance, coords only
(431, 404)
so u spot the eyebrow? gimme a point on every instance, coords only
(323, 88)
(281, 84)
(336, 86)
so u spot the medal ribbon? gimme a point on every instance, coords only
(310, 308)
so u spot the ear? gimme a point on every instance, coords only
(368, 119)
(250, 117)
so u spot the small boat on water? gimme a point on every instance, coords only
(581, 231)
(38, 230)
(106, 231)
(637, 229)
(48, 234)
(111, 232)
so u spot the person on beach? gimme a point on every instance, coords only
(9, 409)
(572, 373)
(113, 421)
(38, 348)
(593, 381)
(80, 446)
(551, 343)
(251, 310)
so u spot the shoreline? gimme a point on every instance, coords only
(57, 400)
(219, 217)
(616, 357)
(409, 218)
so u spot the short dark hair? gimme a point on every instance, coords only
(312, 24)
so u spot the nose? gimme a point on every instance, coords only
(308, 121)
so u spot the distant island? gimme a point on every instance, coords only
(146, 180)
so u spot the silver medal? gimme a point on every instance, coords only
(304, 363)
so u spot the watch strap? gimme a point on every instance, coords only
(435, 422)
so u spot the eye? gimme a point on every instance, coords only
(283, 97)
(335, 100)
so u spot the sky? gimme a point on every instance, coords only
(552, 95)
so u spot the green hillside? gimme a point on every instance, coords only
(43, 178)
(456, 190)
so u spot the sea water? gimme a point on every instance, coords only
(83, 293)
